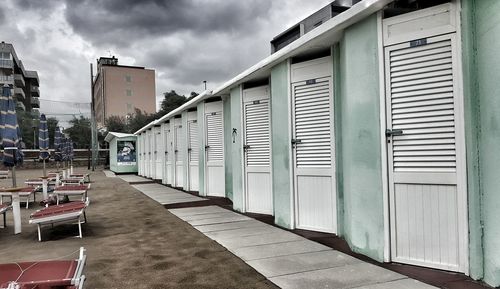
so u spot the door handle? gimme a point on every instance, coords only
(246, 147)
(175, 151)
(190, 149)
(206, 147)
(296, 141)
(393, 132)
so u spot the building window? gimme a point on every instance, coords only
(129, 92)
(128, 78)
(129, 108)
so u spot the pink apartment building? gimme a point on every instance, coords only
(120, 89)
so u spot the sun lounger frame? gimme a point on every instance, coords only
(62, 218)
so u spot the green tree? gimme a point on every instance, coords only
(171, 100)
(116, 123)
(139, 119)
(52, 123)
(26, 121)
(79, 132)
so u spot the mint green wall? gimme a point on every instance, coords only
(359, 135)
(481, 44)
(280, 142)
(113, 162)
(228, 163)
(236, 145)
(201, 153)
(471, 111)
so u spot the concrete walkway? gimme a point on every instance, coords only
(131, 179)
(286, 259)
(165, 195)
(109, 174)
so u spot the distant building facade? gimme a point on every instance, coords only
(118, 90)
(24, 83)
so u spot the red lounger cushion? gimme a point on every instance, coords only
(59, 209)
(44, 273)
(23, 190)
(72, 188)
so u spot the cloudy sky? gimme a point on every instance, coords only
(185, 41)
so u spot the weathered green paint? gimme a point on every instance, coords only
(338, 139)
(280, 141)
(481, 46)
(236, 145)
(113, 154)
(472, 129)
(359, 135)
(201, 149)
(228, 164)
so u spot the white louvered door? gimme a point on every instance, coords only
(157, 153)
(214, 149)
(313, 145)
(148, 153)
(193, 152)
(256, 118)
(426, 154)
(178, 157)
(168, 154)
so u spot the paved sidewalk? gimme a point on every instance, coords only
(289, 260)
(131, 179)
(165, 195)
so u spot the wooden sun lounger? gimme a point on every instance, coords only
(4, 174)
(79, 181)
(69, 212)
(3, 210)
(39, 182)
(23, 193)
(85, 176)
(63, 274)
(71, 190)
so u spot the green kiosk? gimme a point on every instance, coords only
(122, 152)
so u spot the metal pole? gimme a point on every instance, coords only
(93, 119)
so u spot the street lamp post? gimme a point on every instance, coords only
(34, 133)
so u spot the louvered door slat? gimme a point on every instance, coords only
(215, 151)
(257, 133)
(193, 141)
(422, 105)
(178, 143)
(312, 124)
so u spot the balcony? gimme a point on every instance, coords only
(6, 79)
(19, 93)
(35, 103)
(20, 105)
(19, 80)
(35, 92)
(6, 63)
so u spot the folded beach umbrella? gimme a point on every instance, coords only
(57, 145)
(43, 140)
(11, 140)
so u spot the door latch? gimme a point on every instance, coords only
(393, 132)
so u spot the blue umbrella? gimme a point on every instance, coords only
(57, 145)
(43, 140)
(11, 141)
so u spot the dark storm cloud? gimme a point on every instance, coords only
(117, 22)
(42, 7)
(2, 16)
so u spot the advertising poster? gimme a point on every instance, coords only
(126, 155)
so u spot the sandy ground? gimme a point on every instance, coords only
(131, 242)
